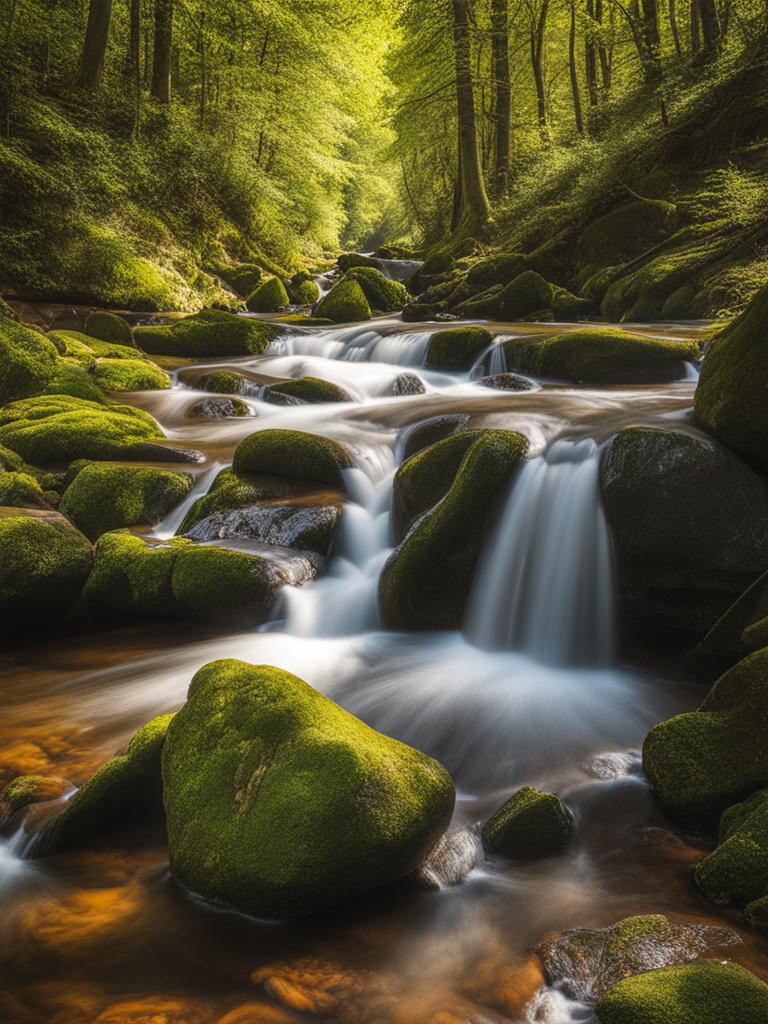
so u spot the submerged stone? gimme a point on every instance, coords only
(529, 824)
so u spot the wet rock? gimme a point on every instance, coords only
(293, 454)
(230, 491)
(220, 408)
(615, 764)
(306, 528)
(506, 382)
(28, 361)
(30, 789)
(529, 824)
(407, 384)
(737, 871)
(422, 435)
(297, 804)
(742, 628)
(146, 451)
(457, 348)
(225, 382)
(305, 389)
(454, 856)
(209, 333)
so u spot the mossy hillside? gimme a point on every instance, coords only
(28, 361)
(104, 497)
(382, 294)
(128, 788)
(57, 428)
(622, 234)
(268, 296)
(305, 293)
(601, 356)
(43, 567)
(109, 327)
(231, 491)
(696, 993)
(426, 581)
(20, 490)
(130, 375)
(305, 389)
(529, 824)
(294, 454)
(737, 871)
(279, 802)
(345, 303)
(457, 348)
(210, 333)
(732, 392)
(74, 381)
(701, 762)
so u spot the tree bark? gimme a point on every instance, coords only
(538, 26)
(695, 27)
(575, 91)
(163, 46)
(710, 29)
(674, 29)
(475, 207)
(134, 60)
(94, 44)
(502, 92)
(590, 57)
(606, 57)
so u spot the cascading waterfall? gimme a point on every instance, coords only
(545, 585)
(357, 344)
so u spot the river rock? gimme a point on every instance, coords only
(452, 859)
(28, 361)
(529, 824)
(304, 527)
(293, 454)
(108, 327)
(220, 408)
(233, 491)
(269, 296)
(294, 804)
(305, 389)
(421, 435)
(506, 382)
(689, 521)
(344, 303)
(130, 375)
(25, 790)
(407, 384)
(457, 348)
(737, 871)
(212, 332)
(382, 294)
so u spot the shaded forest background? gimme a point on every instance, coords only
(148, 145)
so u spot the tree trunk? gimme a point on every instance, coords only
(710, 29)
(590, 57)
(575, 91)
(95, 44)
(695, 27)
(538, 25)
(502, 92)
(163, 46)
(674, 29)
(134, 60)
(475, 207)
(606, 57)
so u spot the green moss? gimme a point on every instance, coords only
(82, 349)
(345, 303)
(43, 566)
(57, 428)
(426, 582)
(702, 761)
(231, 491)
(382, 294)
(623, 234)
(20, 490)
(131, 578)
(306, 389)
(130, 375)
(244, 278)
(8, 311)
(74, 381)
(279, 802)
(457, 348)
(527, 293)
(268, 297)
(222, 382)
(104, 497)
(529, 824)
(302, 320)
(10, 461)
(348, 260)
(305, 293)
(125, 789)
(737, 871)
(696, 993)
(743, 628)
(601, 356)
(29, 789)
(499, 269)
(210, 333)
(438, 262)
(756, 913)
(421, 435)
(731, 393)
(294, 454)
(109, 327)
(28, 361)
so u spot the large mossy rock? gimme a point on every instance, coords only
(44, 564)
(244, 277)
(426, 581)
(58, 428)
(345, 303)
(382, 293)
(210, 333)
(279, 802)
(732, 393)
(127, 789)
(294, 454)
(305, 389)
(601, 356)
(737, 871)
(109, 327)
(305, 292)
(743, 628)
(525, 294)
(689, 521)
(132, 578)
(28, 361)
(457, 348)
(21, 490)
(701, 762)
(130, 375)
(499, 269)
(75, 381)
(706, 992)
(83, 350)
(103, 497)
(427, 432)
(231, 491)
(623, 233)
(268, 297)
(529, 824)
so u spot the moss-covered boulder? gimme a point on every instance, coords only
(220, 407)
(58, 428)
(305, 292)
(426, 581)
(104, 497)
(701, 762)
(601, 356)
(689, 521)
(741, 629)
(695, 993)
(279, 802)
(382, 294)
(224, 382)
(348, 260)
(623, 233)
(737, 871)
(244, 277)
(427, 432)
(83, 350)
(10, 461)
(304, 389)
(21, 490)
(131, 577)
(457, 348)
(76, 382)
(210, 333)
(130, 375)
(231, 491)
(28, 360)
(301, 525)
(499, 269)
(344, 303)
(527, 293)
(25, 790)
(268, 297)
(109, 327)
(731, 395)
(294, 454)
(128, 788)
(44, 564)
(529, 824)
(438, 262)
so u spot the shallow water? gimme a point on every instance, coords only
(522, 702)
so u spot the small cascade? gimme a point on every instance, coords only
(357, 344)
(345, 600)
(170, 525)
(545, 586)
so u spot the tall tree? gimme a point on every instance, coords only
(590, 55)
(473, 205)
(537, 13)
(710, 28)
(575, 90)
(95, 42)
(502, 92)
(163, 48)
(133, 64)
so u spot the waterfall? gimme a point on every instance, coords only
(357, 344)
(545, 585)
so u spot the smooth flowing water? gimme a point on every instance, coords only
(530, 692)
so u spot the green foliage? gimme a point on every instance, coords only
(294, 454)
